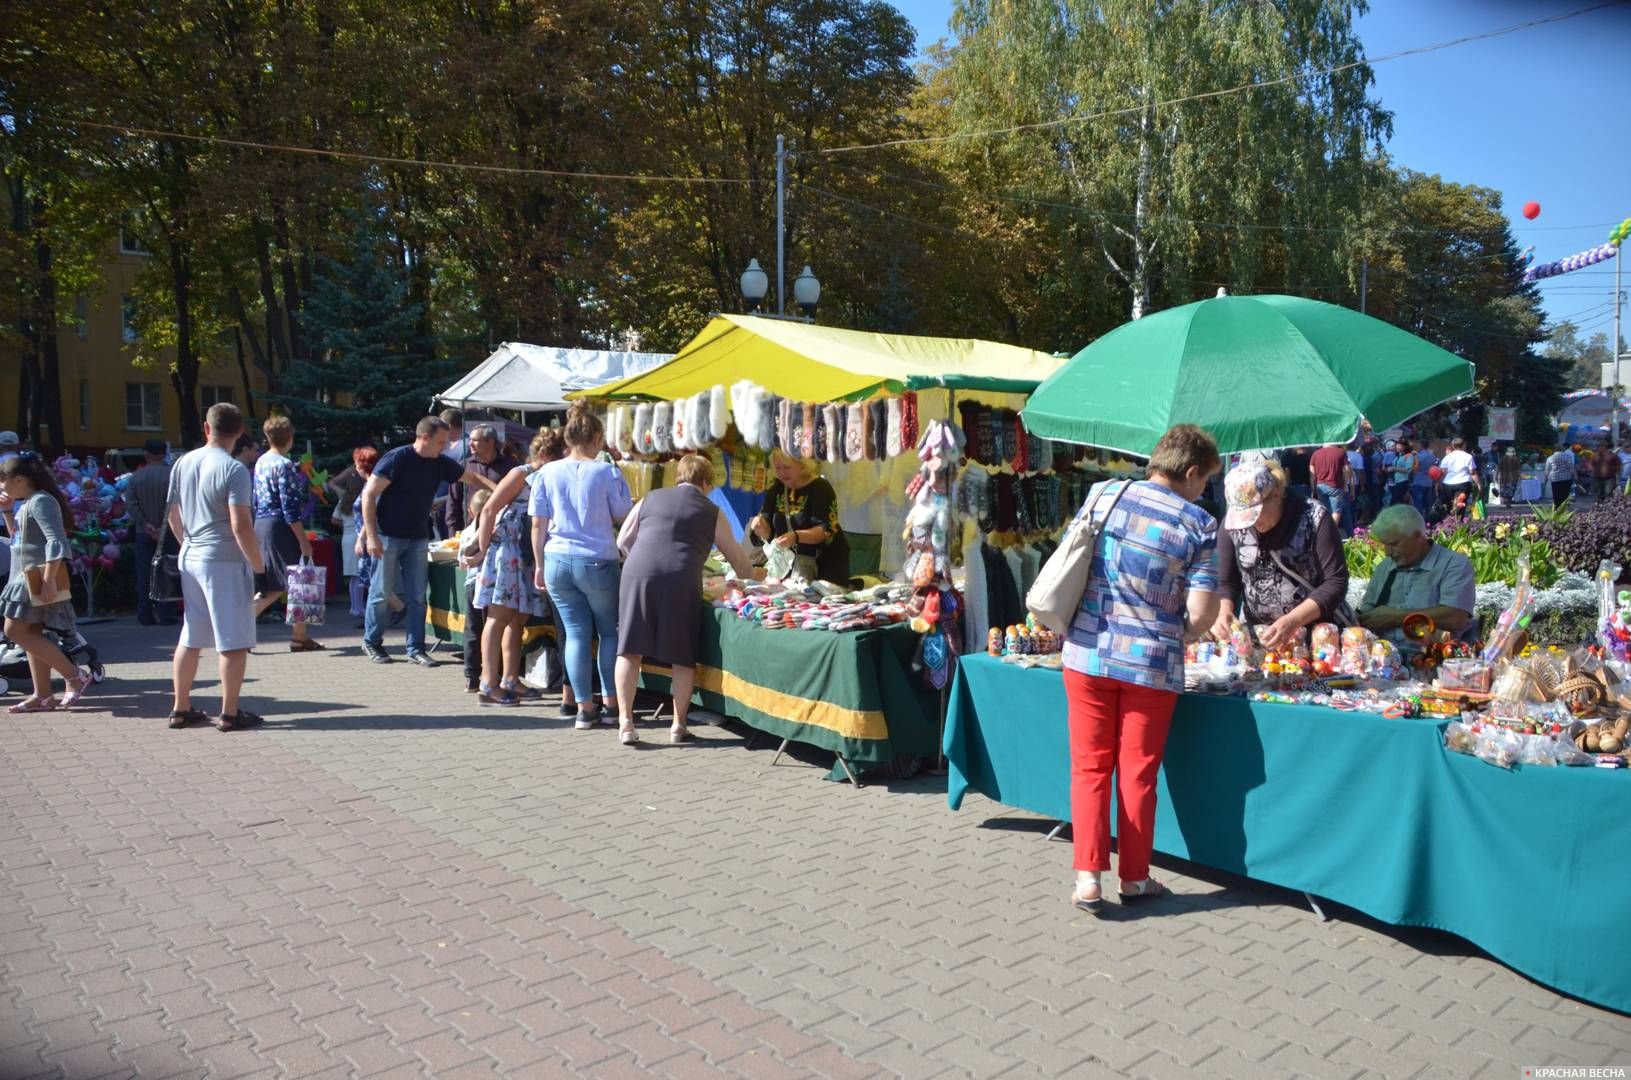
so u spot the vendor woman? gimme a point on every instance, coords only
(801, 511)
(1281, 557)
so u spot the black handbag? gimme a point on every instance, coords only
(164, 582)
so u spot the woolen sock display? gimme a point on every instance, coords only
(642, 428)
(662, 427)
(854, 432)
(880, 430)
(892, 447)
(834, 450)
(807, 430)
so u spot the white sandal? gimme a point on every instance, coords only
(679, 734)
(627, 735)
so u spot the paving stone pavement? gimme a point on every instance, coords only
(388, 881)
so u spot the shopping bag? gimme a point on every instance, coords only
(1058, 589)
(307, 597)
(546, 672)
(1478, 511)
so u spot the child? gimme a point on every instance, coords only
(475, 618)
(39, 519)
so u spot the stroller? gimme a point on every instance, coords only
(14, 661)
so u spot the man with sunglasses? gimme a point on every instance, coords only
(1416, 576)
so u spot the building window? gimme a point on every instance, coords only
(82, 317)
(209, 395)
(84, 404)
(142, 409)
(129, 245)
(127, 317)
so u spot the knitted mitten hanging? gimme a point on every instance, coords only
(766, 405)
(832, 423)
(807, 439)
(854, 432)
(880, 431)
(642, 428)
(719, 419)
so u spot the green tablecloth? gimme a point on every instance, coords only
(1530, 865)
(852, 693)
(445, 608)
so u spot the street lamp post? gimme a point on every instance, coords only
(755, 283)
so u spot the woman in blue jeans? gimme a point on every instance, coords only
(576, 505)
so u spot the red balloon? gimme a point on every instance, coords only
(1435, 473)
(1531, 210)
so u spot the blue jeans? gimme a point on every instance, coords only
(584, 592)
(1422, 496)
(146, 548)
(410, 558)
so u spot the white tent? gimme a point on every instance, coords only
(534, 378)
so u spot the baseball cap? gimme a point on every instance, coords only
(156, 446)
(1244, 490)
(9, 438)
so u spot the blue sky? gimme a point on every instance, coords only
(1538, 114)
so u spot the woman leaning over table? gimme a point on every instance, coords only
(1280, 557)
(1153, 582)
(576, 505)
(666, 540)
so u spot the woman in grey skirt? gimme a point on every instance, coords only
(38, 518)
(666, 539)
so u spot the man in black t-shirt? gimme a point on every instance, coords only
(396, 507)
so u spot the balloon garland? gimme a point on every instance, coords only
(1589, 257)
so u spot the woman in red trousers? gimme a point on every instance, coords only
(1156, 563)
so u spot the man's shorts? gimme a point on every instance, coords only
(218, 598)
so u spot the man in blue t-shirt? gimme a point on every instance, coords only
(396, 529)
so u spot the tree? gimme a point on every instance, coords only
(1584, 358)
(1444, 266)
(371, 375)
(1163, 188)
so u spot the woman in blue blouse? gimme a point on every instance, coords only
(282, 498)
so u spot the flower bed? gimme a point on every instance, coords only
(1565, 612)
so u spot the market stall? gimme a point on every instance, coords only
(1364, 809)
(879, 414)
(536, 378)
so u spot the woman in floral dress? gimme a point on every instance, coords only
(505, 586)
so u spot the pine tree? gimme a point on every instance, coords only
(372, 373)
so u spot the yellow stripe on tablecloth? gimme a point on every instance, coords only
(453, 622)
(848, 723)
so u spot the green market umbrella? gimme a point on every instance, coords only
(1258, 372)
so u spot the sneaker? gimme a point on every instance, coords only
(585, 721)
(375, 653)
(420, 657)
(472, 686)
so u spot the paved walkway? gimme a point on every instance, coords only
(387, 881)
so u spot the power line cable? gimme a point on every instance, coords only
(1134, 110)
(382, 159)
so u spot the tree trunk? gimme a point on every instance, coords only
(291, 286)
(185, 376)
(48, 386)
(277, 344)
(1140, 276)
(243, 371)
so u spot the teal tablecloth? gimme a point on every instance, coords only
(1533, 866)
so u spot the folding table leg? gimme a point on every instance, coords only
(780, 750)
(1053, 833)
(1315, 904)
(854, 780)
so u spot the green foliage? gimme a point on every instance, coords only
(375, 376)
(1558, 516)
(1495, 555)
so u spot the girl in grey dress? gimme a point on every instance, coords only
(38, 519)
(666, 539)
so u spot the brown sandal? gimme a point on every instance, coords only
(180, 718)
(307, 645)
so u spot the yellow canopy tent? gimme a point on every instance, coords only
(822, 363)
